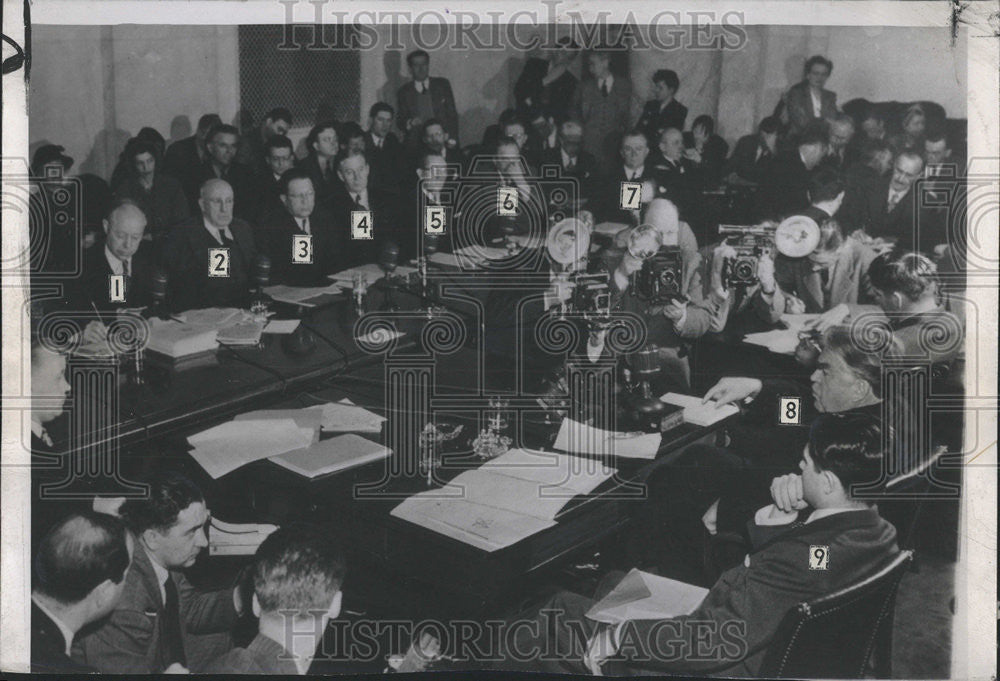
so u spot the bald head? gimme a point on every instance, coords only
(217, 202)
(124, 227)
(672, 144)
(662, 215)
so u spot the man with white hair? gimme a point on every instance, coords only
(189, 247)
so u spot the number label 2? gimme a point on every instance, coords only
(819, 557)
(789, 411)
(218, 262)
(507, 201)
(631, 195)
(362, 226)
(302, 249)
(435, 219)
(116, 288)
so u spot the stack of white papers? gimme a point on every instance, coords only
(798, 322)
(697, 413)
(506, 500)
(228, 446)
(282, 326)
(643, 596)
(212, 317)
(300, 295)
(580, 438)
(346, 416)
(329, 456)
(309, 417)
(178, 339)
(372, 274)
(243, 333)
(779, 341)
(232, 539)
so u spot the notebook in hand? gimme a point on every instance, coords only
(329, 456)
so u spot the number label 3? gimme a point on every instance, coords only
(218, 262)
(302, 249)
(789, 411)
(819, 557)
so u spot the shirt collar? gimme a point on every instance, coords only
(629, 173)
(66, 632)
(37, 429)
(423, 85)
(114, 261)
(362, 195)
(162, 575)
(217, 232)
(553, 138)
(566, 158)
(609, 79)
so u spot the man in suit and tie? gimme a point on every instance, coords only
(813, 507)
(433, 176)
(574, 162)
(808, 102)
(188, 254)
(383, 148)
(252, 149)
(125, 253)
(163, 623)
(754, 153)
(633, 168)
(222, 143)
(80, 571)
(357, 194)
(279, 157)
(424, 98)
(299, 215)
(664, 111)
(435, 139)
(675, 175)
(885, 210)
(841, 132)
(784, 189)
(603, 105)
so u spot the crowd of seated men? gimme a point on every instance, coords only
(878, 261)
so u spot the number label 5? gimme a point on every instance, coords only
(789, 411)
(434, 220)
(302, 249)
(218, 262)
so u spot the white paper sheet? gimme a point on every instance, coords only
(779, 341)
(641, 596)
(228, 446)
(346, 416)
(577, 474)
(697, 413)
(282, 326)
(576, 437)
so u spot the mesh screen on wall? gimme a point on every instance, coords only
(300, 71)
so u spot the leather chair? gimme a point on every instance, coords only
(834, 636)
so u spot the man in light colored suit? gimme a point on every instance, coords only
(424, 98)
(602, 104)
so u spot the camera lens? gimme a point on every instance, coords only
(744, 270)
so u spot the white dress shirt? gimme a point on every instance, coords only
(422, 85)
(303, 224)
(817, 103)
(216, 232)
(66, 632)
(116, 263)
(608, 80)
(162, 575)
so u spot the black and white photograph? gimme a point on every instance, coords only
(540, 339)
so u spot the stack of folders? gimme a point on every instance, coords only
(231, 539)
(506, 500)
(228, 446)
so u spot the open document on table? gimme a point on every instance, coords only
(504, 501)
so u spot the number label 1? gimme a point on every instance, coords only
(362, 226)
(434, 220)
(507, 201)
(116, 288)
(819, 557)
(302, 249)
(218, 262)
(631, 195)
(789, 411)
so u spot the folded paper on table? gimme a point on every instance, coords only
(697, 413)
(228, 446)
(508, 499)
(644, 596)
(308, 417)
(779, 341)
(242, 333)
(579, 438)
(347, 416)
(329, 456)
(233, 539)
(281, 326)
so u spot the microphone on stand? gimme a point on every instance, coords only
(430, 247)
(158, 291)
(262, 278)
(388, 259)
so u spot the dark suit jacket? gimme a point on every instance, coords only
(323, 182)
(93, 286)
(586, 171)
(653, 120)
(606, 203)
(270, 194)
(386, 163)
(713, 159)
(784, 188)
(386, 224)
(186, 258)
(865, 207)
(130, 640)
(762, 592)
(744, 161)
(604, 119)
(182, 162)
(679, 182)
(262, 656)
(165, 205)
(274, 239)
(556, 97)
(48, 647)
(442, 100)
(796, 107)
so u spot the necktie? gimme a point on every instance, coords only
(224, 238)
(894, 198)
(172, 636)
(571, 166)
(604, 88)
(125, 267)
(44, 437)
(305, 225)
(357, 202)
